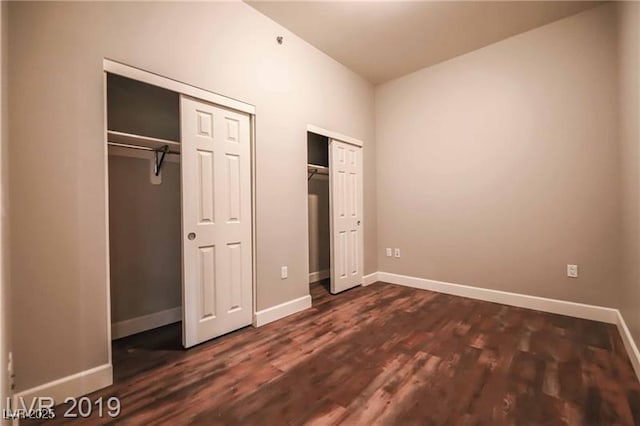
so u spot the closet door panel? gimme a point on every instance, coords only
(235, 187)
(216, 205)
(206, 186)
(235, 275)
(206, 281)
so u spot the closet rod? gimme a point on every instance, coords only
(143, 148)
(315, 170)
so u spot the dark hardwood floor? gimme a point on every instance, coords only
(382, 354)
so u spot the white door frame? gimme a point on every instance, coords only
(334, 135)
(114, 67)
(346, 139)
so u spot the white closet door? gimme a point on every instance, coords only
(347, 243)
(216, 221)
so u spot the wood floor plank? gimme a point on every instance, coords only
(384, 355)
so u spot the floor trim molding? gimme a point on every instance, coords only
(145, 322)
(370, 279)
(282, 310)
(629, 344)
(75, 385)
(554, 306)
(319, 275)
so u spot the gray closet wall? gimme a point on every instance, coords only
(145, 237)
(319, 232)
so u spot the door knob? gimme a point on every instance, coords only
(191, 236)
(358, 223)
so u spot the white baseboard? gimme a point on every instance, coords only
(629, 344)
(145, 322)
(370, 279)
(319, 276)
(554, 306)
(76, 385)
(282, 310)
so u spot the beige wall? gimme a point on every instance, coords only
(145, 238)
(4, 212)
(56, 98)
(494, 169)
(319, 224)
(498, 168)
(629, 78)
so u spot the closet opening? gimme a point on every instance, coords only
(319, 215)
(145, 223)
(180, 216)
(335, 212)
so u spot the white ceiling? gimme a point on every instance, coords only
(383, 40)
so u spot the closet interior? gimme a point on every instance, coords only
(143, 135)
(318, 202)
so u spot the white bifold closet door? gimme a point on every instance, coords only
(216, 220)
(347, 243)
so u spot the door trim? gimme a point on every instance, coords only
(138, 74)
(114, 67)
(334, 135)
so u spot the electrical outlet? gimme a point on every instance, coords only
(572, 271)
(396, 253)
(284, 272)
(389, 254)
